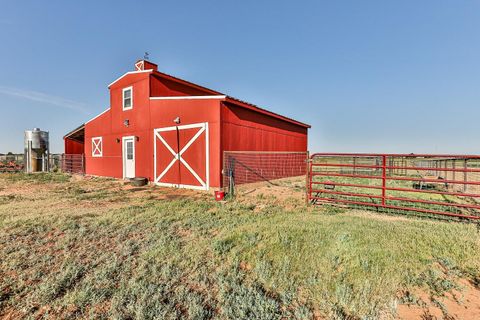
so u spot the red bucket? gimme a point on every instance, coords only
(219, 195)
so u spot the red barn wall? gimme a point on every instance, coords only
(105, 165)
(73, 147)
(247, 130)
(192, 111)
(110, 126)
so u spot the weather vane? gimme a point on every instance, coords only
(145, 56)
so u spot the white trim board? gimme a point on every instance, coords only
(130, 72)
(187, 97)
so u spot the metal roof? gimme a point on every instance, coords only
(234, 100)
(76, 134)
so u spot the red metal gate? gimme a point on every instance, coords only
(447, 185)
(72, 163)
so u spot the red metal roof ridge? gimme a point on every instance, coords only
(234, 100)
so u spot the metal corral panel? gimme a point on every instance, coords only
(422, 183)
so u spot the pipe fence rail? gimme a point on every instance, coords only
(72, 163)
(445, 185)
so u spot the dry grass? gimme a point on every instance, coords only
(95, 248)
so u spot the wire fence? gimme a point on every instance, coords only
(432, 184)
(7, 158)
(10, 166)
(68, 163)
(241, 167)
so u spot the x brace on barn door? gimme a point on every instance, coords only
(204, 185)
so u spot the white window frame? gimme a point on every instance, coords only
(97, 146)
(131, 98)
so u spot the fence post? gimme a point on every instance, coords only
(308, 185)
(231, 177)
(384, 178)
(83, 163)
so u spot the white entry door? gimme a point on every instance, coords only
(128, 152)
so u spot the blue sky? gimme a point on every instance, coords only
(369, 76)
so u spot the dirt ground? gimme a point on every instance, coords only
(289, 193)
(283, 191)
(461, 305)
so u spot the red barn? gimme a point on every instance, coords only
(174, 132)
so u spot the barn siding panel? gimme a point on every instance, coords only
(163, 112)
(73, 147)
(246, 130)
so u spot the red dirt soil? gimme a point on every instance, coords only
(464, 305)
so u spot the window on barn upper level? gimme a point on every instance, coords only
(127, 98)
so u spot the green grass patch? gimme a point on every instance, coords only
(142, 258)
(38, 177)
